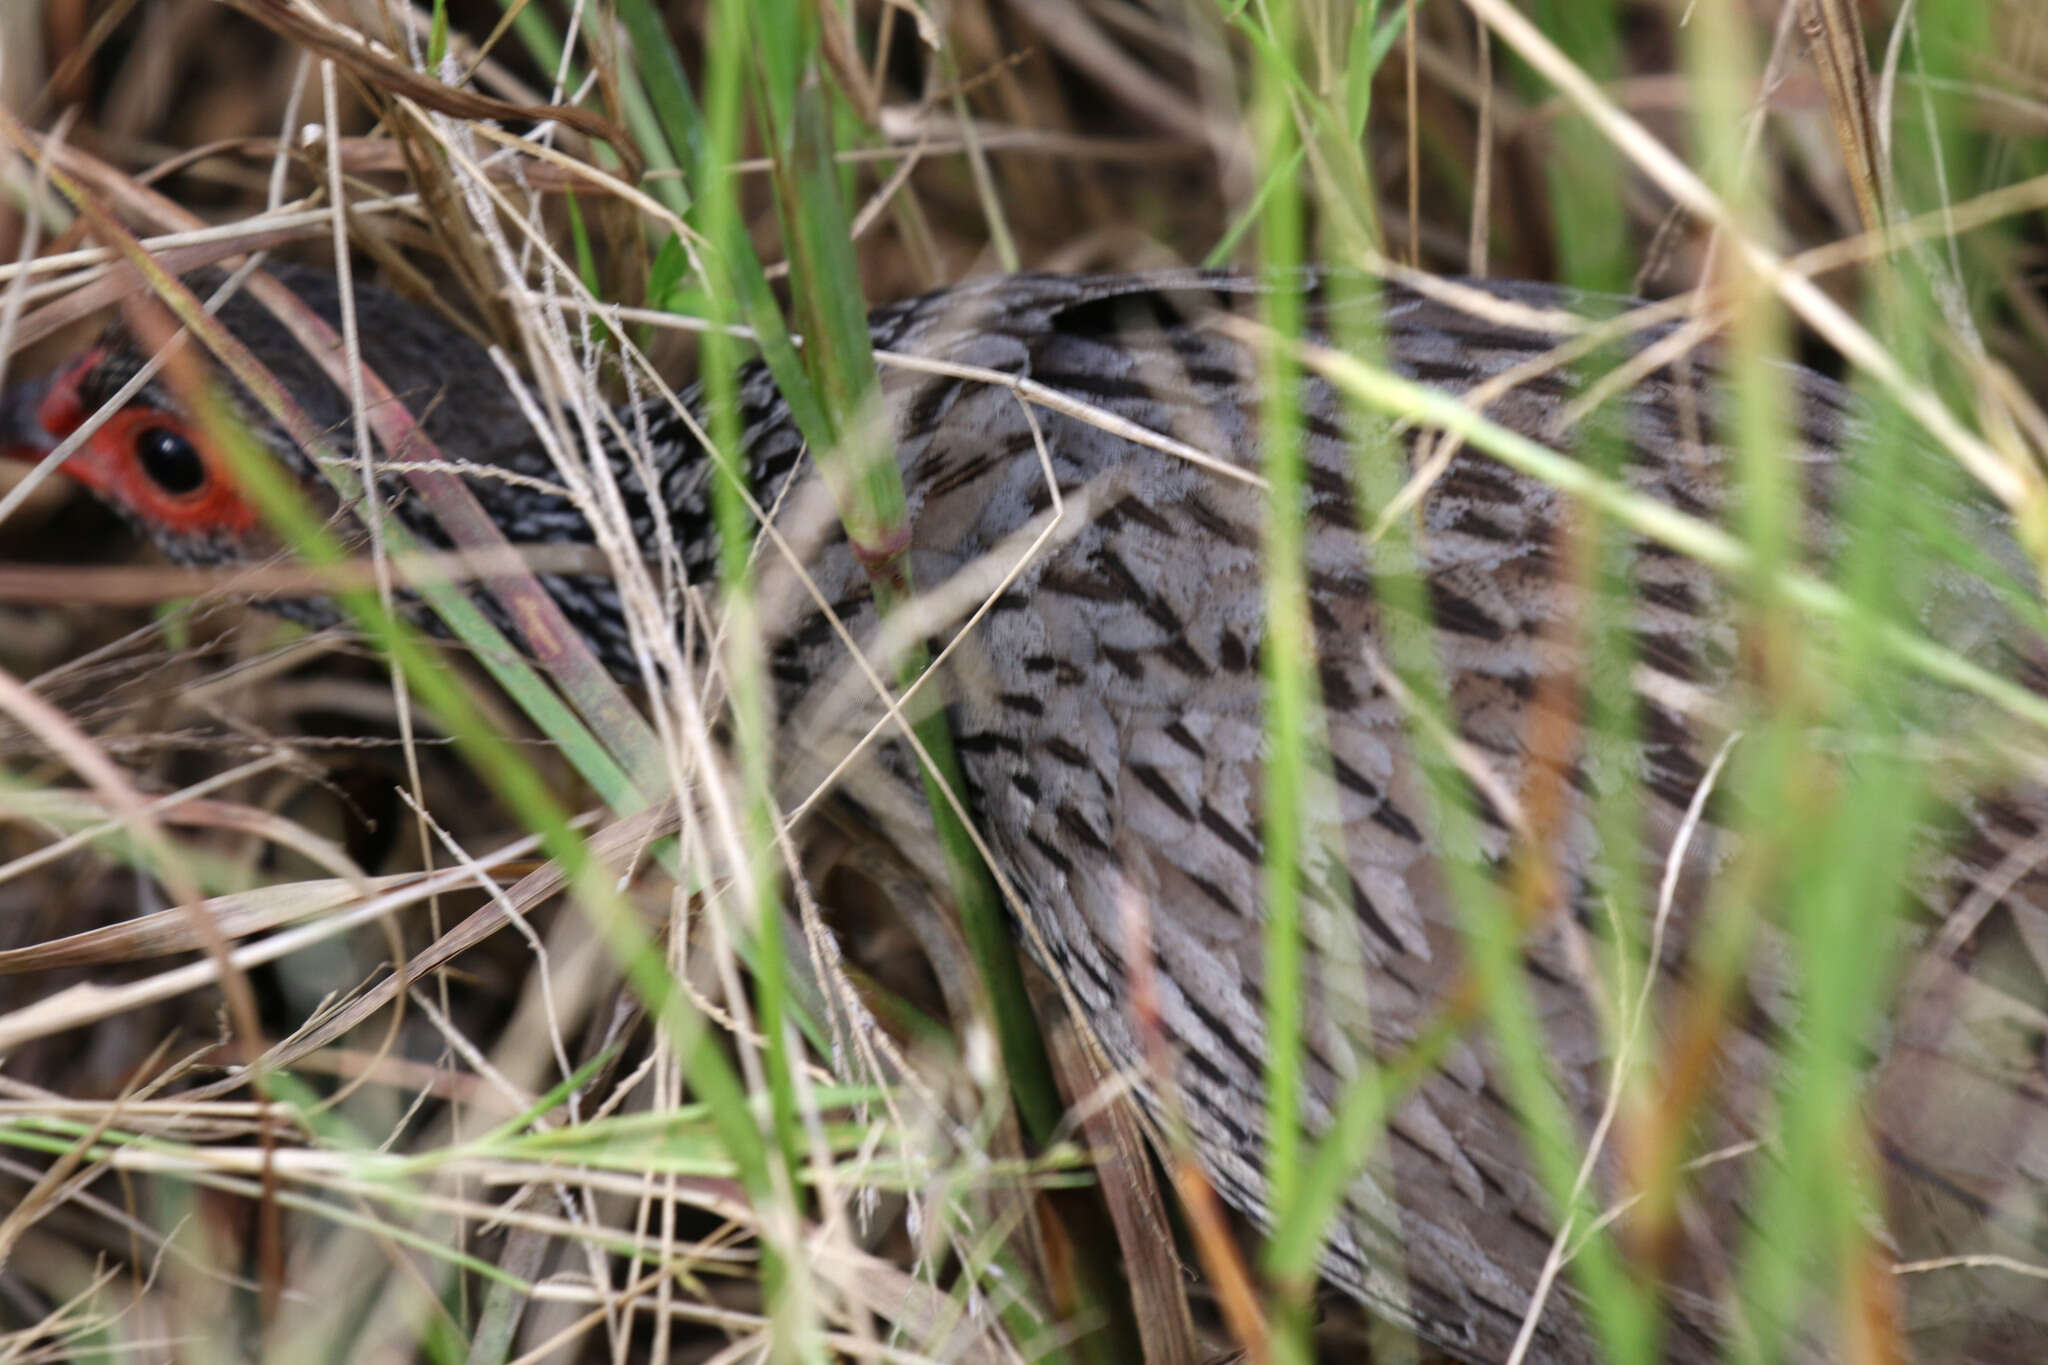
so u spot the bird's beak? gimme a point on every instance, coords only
(22, 433)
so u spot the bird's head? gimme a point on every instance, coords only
(164, 467)
(165, 470)
(149, 460)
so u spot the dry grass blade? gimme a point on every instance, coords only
(349, 50)
(1114, 1130)
(126, 585)
(1834, 35)
(235, 917)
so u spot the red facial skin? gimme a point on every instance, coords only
(107, 464)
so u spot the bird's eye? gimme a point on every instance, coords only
(169, 460)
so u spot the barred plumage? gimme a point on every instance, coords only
(1108, 712)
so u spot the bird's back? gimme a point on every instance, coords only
(1107, 703)
(1108, 707)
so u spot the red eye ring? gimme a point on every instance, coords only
(153, 463)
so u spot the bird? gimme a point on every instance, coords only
(1107, 707)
